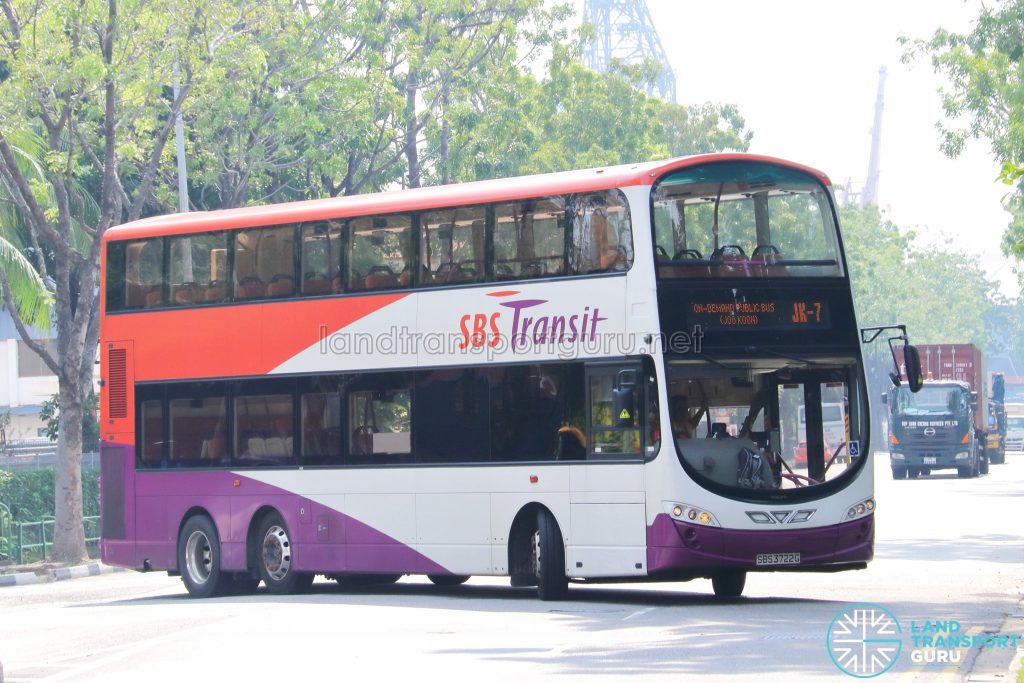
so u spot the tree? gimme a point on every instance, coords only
(985, 95)
(88, 79)
(942, 296)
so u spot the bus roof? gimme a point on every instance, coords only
(478, 192)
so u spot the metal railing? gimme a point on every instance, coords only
(35, 539)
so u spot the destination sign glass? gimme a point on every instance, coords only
(774, 314)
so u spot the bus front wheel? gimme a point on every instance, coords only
(547, 555)
(274, 557)
(728, 583)
(899, 473)
(199, 559)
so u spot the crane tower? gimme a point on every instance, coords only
(624, 31)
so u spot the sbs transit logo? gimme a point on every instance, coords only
(527, 328)
(864, 640)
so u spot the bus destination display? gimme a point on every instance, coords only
(773, 314)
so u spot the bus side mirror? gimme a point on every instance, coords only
(624, 398)
(912, 360)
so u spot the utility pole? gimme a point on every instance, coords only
(870, 193)
(624, 32)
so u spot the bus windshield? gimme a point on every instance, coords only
(727, 414)
(744, 219)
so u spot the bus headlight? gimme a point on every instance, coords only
(897, 456)
(963, 455)
(688, 513)
(860, 509)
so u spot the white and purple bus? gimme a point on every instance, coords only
(560, 378)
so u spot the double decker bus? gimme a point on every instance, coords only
(570, 377)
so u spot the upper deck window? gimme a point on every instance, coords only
(742, 220)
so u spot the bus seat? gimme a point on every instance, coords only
(281, 285)
(255, 448)
(275, 447)
(215, 291)
(185, 293)
(250, 287)
(764, 259)
(381, 276)
(155, 295)
(316, 283)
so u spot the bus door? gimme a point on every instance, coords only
(608, 529)
(813, 413)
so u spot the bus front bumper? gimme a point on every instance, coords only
(677, 546)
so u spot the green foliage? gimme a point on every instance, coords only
(29, 494)
(49, 413)
(984, 98)
(941, 296)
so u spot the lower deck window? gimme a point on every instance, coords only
(524, 413)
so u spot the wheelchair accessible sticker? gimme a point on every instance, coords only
(854, 449)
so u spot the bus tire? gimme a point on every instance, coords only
(447, 580)
(983, 465)
(274, 558)
(548, 558)
(729, 583)
(899, 472)
(199, 559)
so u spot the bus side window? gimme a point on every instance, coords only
(529, 239)
(321, 258)
(265, 262)
(380, 420)
(452, 246)
(379, 252)
(602, 241)
(198, 269)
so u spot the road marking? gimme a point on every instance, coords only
(638, 613)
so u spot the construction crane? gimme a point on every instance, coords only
(624, 32)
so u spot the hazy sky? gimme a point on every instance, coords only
(804, 74)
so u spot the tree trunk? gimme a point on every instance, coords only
(68, 532)
(412, 154)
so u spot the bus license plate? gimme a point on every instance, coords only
(766, 559)
(929, 460)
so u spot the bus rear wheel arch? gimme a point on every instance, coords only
(273, 554)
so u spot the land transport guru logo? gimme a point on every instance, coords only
(864, 640)
(522, 328)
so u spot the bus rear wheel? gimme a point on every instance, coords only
(447, 579)
(274, 557)
(199, 559)
(728, 583)
(547, 557)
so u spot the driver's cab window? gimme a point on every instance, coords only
(616, 411)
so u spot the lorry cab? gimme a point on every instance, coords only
(934, 429)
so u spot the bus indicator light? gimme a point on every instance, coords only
(534, 479)
(236, 483)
